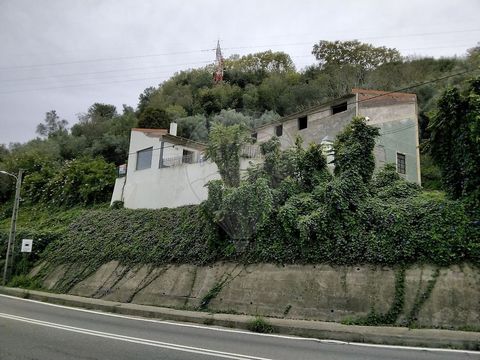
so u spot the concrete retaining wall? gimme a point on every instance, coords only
(318, 292)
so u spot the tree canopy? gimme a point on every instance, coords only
(454, 142)
(353, 53)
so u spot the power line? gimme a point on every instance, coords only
(404, 49)
(79, 85)
(103, 72)
(364, 38)
(101, 60)
(213, 49)
(379, 95)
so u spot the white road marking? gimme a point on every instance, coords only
(212, 328)
(141, 341)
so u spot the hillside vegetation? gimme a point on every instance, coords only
(290, 209)
(257, 89)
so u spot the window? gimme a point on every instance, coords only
(144, 159)
(401, 164)
(302, 123)
(187, 157)
(279, 130)
(339, 108)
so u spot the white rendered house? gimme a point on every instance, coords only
(164, 170)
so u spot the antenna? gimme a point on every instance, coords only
(218, 74)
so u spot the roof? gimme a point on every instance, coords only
(178, 140)
(380, 93)
(367, 94)
(152, 132)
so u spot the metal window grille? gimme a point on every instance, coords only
(401, 163)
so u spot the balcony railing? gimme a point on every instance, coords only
(180, 160)
(251, 151)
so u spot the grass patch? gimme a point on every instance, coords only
(25, 282)
(260, 325)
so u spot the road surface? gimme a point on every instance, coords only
(40, 331)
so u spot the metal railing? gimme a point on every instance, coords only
(251, 151)
(180, 160)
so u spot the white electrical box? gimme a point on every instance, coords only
(27, 245)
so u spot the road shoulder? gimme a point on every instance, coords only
(400, 336)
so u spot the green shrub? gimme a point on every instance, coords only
(25, 282)
(260, 325)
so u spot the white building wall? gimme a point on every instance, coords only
(155, 188)
(118, 190)
(140, 141)
(169, 187)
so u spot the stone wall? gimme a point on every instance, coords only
(317, 292)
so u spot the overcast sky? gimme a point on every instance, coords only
(67, 54)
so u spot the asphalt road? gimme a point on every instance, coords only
(35, 330)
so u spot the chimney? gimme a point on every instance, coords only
(173, 129)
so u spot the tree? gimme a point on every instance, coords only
(6, 185)
(224, 147)
(454, 142)
(354, 53)
(232, 117)
(99, 112)
(52, 125)
(193, 127)
(145, 98)
(154, 118)
(262, 62)
(253, 68)
(82, 181)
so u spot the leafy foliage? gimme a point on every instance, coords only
(349, 218)
(153, 118)
(260, 325)
(288, 210)
(82, 181)
(52, 125)
(132, 237)
(354, 150)
(455, 141)
(224, 147)
(355, 53)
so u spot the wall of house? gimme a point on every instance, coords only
(140, 141)
(320, 122)
(399, 137)
(174, 186)
(117, 194)
(169, 187)
(396, 116)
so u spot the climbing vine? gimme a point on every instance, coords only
(421, 298)
(374, 318)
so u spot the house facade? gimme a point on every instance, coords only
(395, 114)
(165, 170)
(157, 175)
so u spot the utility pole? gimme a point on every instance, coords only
(13, 226)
